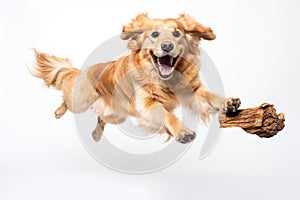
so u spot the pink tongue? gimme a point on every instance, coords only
(165, 70)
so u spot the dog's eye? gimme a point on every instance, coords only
(176, 34)
(154, 34)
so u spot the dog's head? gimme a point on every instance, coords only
(163, 42)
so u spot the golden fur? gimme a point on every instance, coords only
(139, 85)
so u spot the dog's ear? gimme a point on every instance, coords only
(195, 29)
(194, 32)
(130, 31)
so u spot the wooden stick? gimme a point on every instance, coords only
(262, 120)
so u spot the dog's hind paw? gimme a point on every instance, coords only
(59, 112)
(97, 133)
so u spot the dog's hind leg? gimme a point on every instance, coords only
(97, 133)
(59, 112)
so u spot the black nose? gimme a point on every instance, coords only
(167, 46)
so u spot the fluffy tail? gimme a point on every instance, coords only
(78, 93)
(53, 70)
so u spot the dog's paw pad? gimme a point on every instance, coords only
(232, 105)
(186, 137)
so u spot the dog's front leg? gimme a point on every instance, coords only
(180, 132)
(209, 103)
(160, 117)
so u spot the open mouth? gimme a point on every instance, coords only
(164, 64)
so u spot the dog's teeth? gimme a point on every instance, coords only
(158, 61)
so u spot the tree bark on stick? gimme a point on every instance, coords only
(262, 120)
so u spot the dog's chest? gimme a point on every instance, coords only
(150, 95)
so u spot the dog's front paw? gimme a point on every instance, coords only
(232, 105)
(185, 135)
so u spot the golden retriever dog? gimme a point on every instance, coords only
(160, 73)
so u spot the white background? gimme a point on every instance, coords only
(256, 53)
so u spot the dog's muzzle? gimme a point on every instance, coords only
(165, 65)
